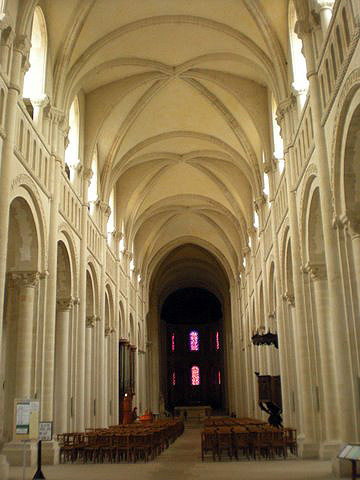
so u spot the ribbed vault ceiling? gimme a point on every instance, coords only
(177, 106)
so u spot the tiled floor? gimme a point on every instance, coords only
(182, 461)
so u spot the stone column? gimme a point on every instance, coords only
(90, 324)
(306, 437)
(27, 283)
(321, 296)
(345, 407)
(80, 340)
(64, 307)
(325, 9)
(47, 399)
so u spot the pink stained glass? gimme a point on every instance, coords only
(217, 341)
(194, 341)
(173, 379)
(195, 375)
(219, 377)
(173, 342)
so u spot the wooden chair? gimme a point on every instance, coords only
(224, 441)
(121, 448)
(261, 443)
(241, 441)
(290, 440)
(208, 442)
(141, 446)
(278, 442)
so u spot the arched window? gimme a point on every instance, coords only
(34, 80)
(173, 342)
(173, 378)
(217, 341)
(194, 341)
(195, 375)
(219, 377)
(300, 83)
(72, 151)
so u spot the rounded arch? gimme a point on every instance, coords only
(64, 276)
(345, 165)
(35, 77)
(92, 276)
(109, 307)
(66, 236)
(23, 187)
(121, 320)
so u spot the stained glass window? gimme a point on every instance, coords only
(219, 377)
(173, 379)
(195, 375)
(194, 341)
(217, 341)
(173, 342)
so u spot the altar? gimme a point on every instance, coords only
(194, 413)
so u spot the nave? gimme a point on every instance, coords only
(182, 460)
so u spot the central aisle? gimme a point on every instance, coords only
(182, 461)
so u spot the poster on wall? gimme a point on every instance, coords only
(27, 419)
(22, 418)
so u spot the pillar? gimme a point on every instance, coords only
(64, 307)
(27, 283)
(321, 296)
(89, 333)
(306, 438)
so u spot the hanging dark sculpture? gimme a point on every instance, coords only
(265, 339)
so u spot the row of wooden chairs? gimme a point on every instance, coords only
(119, 443)
(252, 442)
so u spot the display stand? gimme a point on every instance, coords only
(351, 452)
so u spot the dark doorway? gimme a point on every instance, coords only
(194, 348)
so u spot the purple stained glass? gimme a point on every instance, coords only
(173, 379)
(194, 341)
(173, 342)
(195, 375)
(217, 341)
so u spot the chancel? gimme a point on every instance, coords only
(180, 230)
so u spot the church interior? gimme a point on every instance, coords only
(180, 218)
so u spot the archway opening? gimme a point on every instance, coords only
(194, 348)
(189, 329)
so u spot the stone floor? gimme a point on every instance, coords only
(182, 461)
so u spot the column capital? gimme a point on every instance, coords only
(317, 271)
(24, 279)
(64, 304)
(41, 101)
(87, 174)
(90, 321)
(324, 4)
(22, 44)
(272, 315)
(284, 107)
(289, 298)
(302, 28)
(109, 331)
(104, 208)
(7, 34)
(55, 114)
(259, 202)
